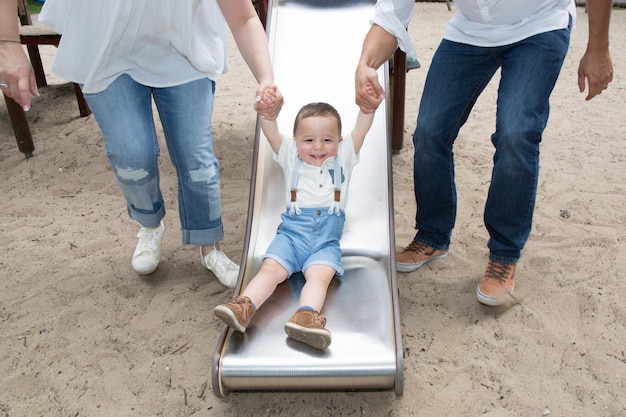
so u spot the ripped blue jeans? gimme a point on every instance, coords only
(124, 114)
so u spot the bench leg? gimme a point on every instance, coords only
(83, 107)
(20, 127)
(35, 60)
(398, 81)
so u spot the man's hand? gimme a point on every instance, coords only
(368, 91)
(595, 70)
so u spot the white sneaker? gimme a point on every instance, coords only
(148, 251)
(226, 271)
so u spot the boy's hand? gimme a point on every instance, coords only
(269, 103)
(371, 91)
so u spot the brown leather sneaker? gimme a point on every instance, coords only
(236, 315)
(307, 326)
(497, 285)
(416, 255)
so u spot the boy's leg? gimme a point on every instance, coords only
(264, 283)
(317, 279)
(307, 325)
(238, 313)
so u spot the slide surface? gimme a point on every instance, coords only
(315, 45)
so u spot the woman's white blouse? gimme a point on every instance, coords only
(159, 43)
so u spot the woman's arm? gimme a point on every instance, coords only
(15, 68)
(252, 43)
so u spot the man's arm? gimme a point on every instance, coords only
(388, 32)
(378, 47)
(596, 66)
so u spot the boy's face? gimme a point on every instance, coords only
(317, 139)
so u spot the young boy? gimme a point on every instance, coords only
(317, 163)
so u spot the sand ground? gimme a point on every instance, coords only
(82, 335)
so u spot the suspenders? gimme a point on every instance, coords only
(334, 208)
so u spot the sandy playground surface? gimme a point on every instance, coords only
(82, 335)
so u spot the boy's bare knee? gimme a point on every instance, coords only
(320, 273)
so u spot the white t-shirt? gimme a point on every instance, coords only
(315, 187)
(502, 22)
(394, 16)
(482, 22)
(159, 43)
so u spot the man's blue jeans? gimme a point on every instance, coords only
(457, 76)
(124, 113)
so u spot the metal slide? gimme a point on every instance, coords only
(315, 45)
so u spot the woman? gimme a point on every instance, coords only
(126, 55)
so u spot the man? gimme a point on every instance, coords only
(527, 41)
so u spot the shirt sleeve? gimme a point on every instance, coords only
(349, 158)
(394, 16)
(287, 153)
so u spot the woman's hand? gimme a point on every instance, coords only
(17, 77)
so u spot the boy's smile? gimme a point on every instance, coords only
(317, 139)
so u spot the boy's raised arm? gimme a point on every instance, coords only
(269, 125)
(271, 132)
(361, 127)
(363, 121)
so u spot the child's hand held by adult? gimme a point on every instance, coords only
(268, 102)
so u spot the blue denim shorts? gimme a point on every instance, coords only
(309, 238)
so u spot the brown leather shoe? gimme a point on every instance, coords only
(416, 255)
(497, 285)
(236, 315)
(307, 326)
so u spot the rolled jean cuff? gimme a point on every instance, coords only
(203, 237)
(430, 244)
(504, 259)
(147, 219)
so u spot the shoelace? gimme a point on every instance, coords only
(221, 262)
(244, 303)
(416, 247)
(148, 238)
(319, 319)
(498, 271)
